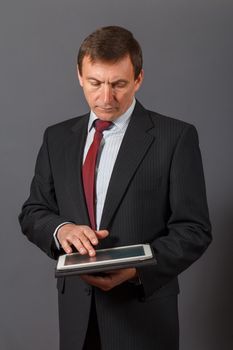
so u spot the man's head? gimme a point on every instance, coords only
(110, 70)
(110, 44)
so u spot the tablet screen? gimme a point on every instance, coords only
(103, 255)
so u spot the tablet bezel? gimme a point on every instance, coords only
(148, 254)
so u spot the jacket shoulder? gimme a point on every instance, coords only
(162, 122)
(168, 122)
(63, 129)
(66, 124)
(168, 128)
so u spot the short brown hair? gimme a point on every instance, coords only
(111, 43)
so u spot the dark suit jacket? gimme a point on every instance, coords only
(156, 195)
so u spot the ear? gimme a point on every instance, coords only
(139, 80)
(79, 77)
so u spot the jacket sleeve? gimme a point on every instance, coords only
(40, 217)
(188, 231)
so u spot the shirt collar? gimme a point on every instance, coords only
(120, 122)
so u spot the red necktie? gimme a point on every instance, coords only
(89, 168)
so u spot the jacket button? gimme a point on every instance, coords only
(88, 290)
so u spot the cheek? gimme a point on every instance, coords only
(126, 96)
(90, 95)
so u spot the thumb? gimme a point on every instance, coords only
(102, 233)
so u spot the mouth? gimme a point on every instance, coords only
(106, 109)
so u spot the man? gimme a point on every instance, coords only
(148, 188)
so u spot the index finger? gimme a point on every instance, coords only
(91, 235)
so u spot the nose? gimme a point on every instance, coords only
(107, 94)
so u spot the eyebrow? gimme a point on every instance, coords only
(112, 83)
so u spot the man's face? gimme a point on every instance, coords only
(109, 87)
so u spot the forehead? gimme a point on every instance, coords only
(98, 69)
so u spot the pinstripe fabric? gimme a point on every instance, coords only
(156, 194)
(126, 325)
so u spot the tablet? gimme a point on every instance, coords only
(111, 257)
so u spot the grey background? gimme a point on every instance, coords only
(188, 61)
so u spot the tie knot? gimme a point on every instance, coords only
(101, 125)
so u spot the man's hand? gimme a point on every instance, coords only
(111, 279)
(83, 238)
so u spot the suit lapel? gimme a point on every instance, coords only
(74, 154)
(134, 146)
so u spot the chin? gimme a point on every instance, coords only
(108, 116)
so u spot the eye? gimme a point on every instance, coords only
(95, 83)
(119, 84)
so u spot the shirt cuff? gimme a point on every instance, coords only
(55, 234)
